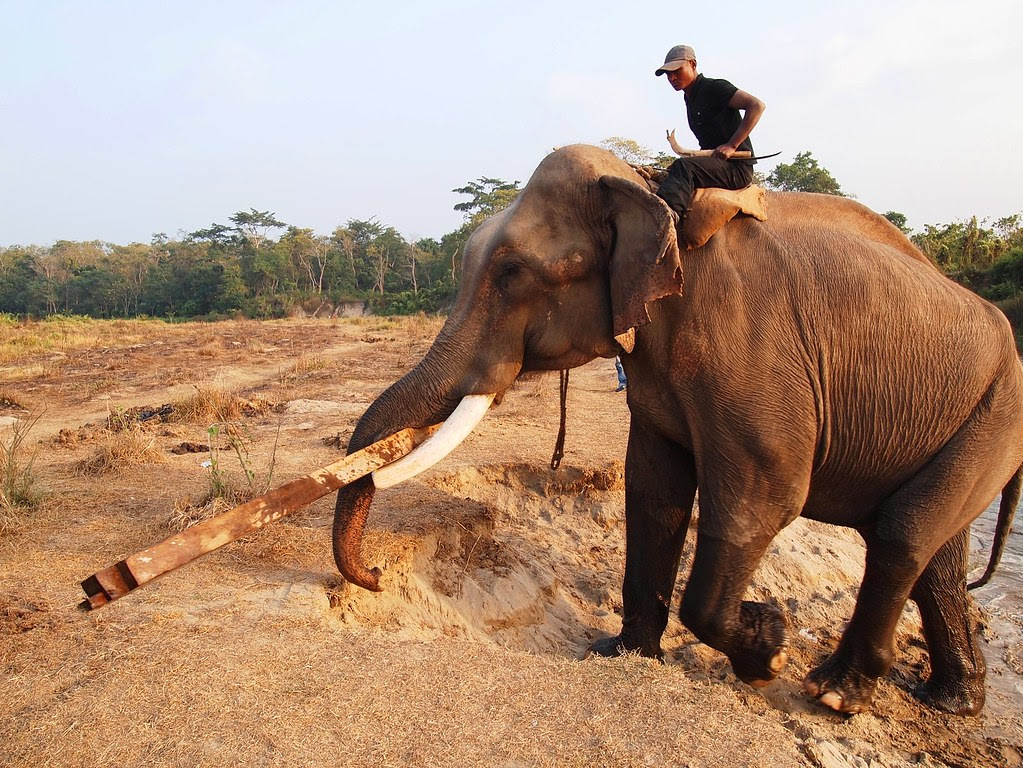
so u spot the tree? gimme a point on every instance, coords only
(804, 174)
(899, 220)
(20, 285)
(310, 255)
(342, 240)
(220, 235)
(354, 240)
(383, 250)
(961, 247)
(489, 196)
(628, 150)
(254, 226)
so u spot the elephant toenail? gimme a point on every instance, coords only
(779, 661)
(832, 700)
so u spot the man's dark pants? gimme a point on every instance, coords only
(688, 173)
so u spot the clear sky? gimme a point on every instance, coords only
(119, 120)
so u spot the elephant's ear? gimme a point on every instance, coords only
(645, 264)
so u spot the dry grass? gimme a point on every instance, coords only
(11, 399)
(186, 513)
(68, 334)
(19, 492)
(227, 488)
(306, 366)
(214, 404)
(130, 446)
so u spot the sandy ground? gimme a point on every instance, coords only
(498, 572)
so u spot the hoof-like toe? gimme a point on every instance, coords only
(779, 661)
(963, 700)
(763, 647)
(608, 647)
(612, 647)
(831, 700)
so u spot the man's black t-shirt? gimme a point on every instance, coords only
(712, 121)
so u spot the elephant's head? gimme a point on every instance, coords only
(559, 278)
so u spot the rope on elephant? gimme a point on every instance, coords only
(559, 446)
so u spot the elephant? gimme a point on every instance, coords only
(813, 364)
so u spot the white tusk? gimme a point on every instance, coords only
(452, 432)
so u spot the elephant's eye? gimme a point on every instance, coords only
(509, 275)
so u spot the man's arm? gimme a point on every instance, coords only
(752, 108)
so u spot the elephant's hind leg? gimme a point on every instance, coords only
(914, 545)
(956, 684)
(846, 680)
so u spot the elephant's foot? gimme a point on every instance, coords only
(964, 696)
(612, 647)
(762, 647)
(839, 687)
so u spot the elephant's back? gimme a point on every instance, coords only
(800, 214)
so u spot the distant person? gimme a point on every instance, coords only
(712, 108)
(621, 374)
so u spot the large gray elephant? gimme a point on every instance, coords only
(814, 364)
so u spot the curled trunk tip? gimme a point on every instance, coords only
(353, 503)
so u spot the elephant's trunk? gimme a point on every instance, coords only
(425, 396)
(353, 502)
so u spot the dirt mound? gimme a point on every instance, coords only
(478, 560)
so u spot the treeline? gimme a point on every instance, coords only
(258, 266)
(255, 266)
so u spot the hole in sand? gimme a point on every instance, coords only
(514, 554)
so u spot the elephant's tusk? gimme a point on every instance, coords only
(452, 432)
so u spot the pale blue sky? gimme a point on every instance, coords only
(122, 119)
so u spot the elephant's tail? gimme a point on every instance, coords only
(1010, 499)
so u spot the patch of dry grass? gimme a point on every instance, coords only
(226, 489)
(211, 405)
(130, 446)
(9, 399)
(68, 334)
(187, 513)
(305, 366)
(19, 492)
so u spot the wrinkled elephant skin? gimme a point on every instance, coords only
(814, 364)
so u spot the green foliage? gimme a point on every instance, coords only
(999, 282)
(804, 174)
(629, 150)
(899, 220)
(963, 246)
(489, 196)
(258, 266)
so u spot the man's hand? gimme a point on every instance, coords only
(674, 144)
(725, 151)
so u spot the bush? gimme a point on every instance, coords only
(18, 489)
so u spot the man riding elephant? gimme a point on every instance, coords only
(713, 109)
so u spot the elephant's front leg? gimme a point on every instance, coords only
(660, 486)
(754, 636)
